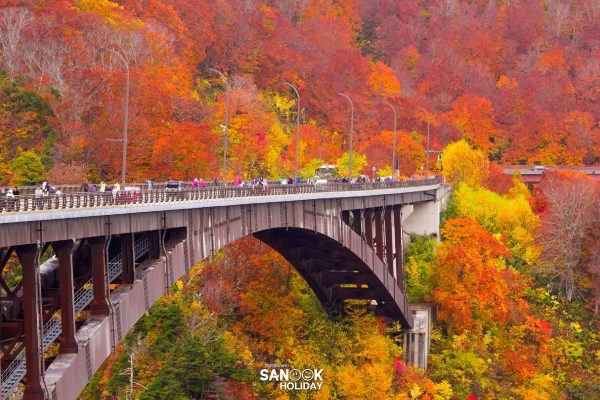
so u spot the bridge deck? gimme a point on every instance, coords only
(81, 205)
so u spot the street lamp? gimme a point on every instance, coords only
(351, 128)
(321, 149)
(126, 117)
(427, 150)
(394, 145)
(297, 127)
(226, 124)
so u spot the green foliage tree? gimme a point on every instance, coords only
(24, 125)
(308, 170)
(166, 319)
(419, 259)
(464, 360)
(450, 211)
(27, 169)
(191, 366)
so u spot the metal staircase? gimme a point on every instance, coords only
(12, 375)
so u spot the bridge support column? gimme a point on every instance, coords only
(127, 259)
(389, 242)
(154, 245)
(64, 252)
(399, 244)
(356, 222)
(379, 232)
(99, 304)
(346, 217)
(369, 226)
(28, 258)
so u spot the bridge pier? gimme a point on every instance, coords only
(356, 223)
(154, 244)
(399, 245)
(346, 217)
(389, 242)
(27, 255)
(379, 232)
(417, 340)
(369, 226)
(127, 259)
(64, 252)
(99, 305)
(424, 219)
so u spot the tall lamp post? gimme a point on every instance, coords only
(297, 127)
(320, 149)
(394, 145)
(351, 128)
(225, 126)
(126, 117)
(427, 150)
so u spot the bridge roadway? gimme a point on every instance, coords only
(113, 256)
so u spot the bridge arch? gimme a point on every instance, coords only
(337, 273)
(328, 248)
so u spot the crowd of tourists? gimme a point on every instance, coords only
(45, 193)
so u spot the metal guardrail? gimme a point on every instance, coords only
(16, 371)
(68, 189)
(81, 200)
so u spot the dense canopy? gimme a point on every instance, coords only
(518, 80)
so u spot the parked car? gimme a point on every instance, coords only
(173, 189)
(173, 186)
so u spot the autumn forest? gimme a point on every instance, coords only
(496, 82)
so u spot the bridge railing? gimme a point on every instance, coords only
(78, 200)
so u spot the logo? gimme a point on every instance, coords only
(292, 378)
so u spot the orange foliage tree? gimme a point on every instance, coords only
(537, 110)
(474, 117)
(383, 80)
(474, 288)
(410, 153)
(497, 180)
(184, 152)
(263, 301)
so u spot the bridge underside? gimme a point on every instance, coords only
(337, 276)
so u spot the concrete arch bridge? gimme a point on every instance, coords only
(113, 257)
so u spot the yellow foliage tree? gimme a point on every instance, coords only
(510, 216)
(358, 389)
(109, 10)
(359, 161)
(463, 164)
